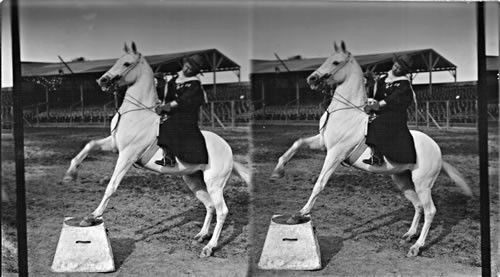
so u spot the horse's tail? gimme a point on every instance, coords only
(457, 178)
(242, 171)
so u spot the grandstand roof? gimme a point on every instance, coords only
(376, 62)
(168, 63)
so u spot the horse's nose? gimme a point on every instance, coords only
(313, 79)
(104, 80)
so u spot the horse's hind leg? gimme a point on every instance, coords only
(423, 183)
(215, 187)
(197, 186)
(314, 142)
(404, 182)
(105, 144)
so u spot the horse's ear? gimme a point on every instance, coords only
(125, 48)
(335, 46)
(134, 48)
(342, 45)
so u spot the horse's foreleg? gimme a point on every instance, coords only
(123, 164)
(215, 188)
(332, 160)
(405, 184)
(314, 142)
(105, 144)
(198, 187)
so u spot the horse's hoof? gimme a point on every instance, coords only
(413, 252)
(277, 174)
(104, 180)
(406, 238)
(206, 252)
(200, 238)
(295, 219)
(88, 221)
(69, 178)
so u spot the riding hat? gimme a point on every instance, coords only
(404, 60)
(195, 61)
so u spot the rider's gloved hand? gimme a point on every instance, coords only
(167, 107)
(159, 109)
(372, 105)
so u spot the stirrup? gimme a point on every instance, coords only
(166, 162)
(373, 160)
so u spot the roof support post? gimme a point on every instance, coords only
(297, 93)
(430, 73)
(214, 70)
(263, 94)
(214, 64)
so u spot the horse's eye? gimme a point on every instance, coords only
(336, 63)
(127, 64)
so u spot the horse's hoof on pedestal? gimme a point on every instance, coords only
(88, 221)
(206, 252)
(295, 219)
(413, 252)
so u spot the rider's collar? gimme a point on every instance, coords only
(182, 78)
(391, 78)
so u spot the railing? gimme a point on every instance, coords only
(224, 113)
(440, 114)
(215, 113)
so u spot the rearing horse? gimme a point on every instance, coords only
(342, 130)
(133, 135)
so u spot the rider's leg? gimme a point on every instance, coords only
(376, 158)
(168, 157)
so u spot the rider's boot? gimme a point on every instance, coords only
(376, 158)
(168, 158)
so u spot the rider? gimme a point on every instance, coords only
(388, 133)
(179, 134)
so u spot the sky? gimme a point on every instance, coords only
(244, 30)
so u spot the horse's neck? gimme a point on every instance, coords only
(351, 92)
(142, 92)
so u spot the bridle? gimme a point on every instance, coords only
(332, 74)
(337, 97)
(113, 79)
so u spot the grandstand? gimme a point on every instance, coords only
(67, 93)
(280, 91)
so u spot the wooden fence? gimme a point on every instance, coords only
(435, 113)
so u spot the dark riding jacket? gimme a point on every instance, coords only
(180, 131)
(389, 132)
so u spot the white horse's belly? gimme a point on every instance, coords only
(428, 156)
(387, 168)
(220, 158)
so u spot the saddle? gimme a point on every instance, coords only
(359, 149)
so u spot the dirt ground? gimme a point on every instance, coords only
(151, 219)
(360, 217)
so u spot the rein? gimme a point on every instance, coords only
(128, 97)
(339, 97)
(126, 71)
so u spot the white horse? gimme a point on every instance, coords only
(133, 135)
(342, 130)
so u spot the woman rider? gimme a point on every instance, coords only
(179, 134)
(388, 133)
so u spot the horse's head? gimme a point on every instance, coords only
(124, 71)
(331, 71)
